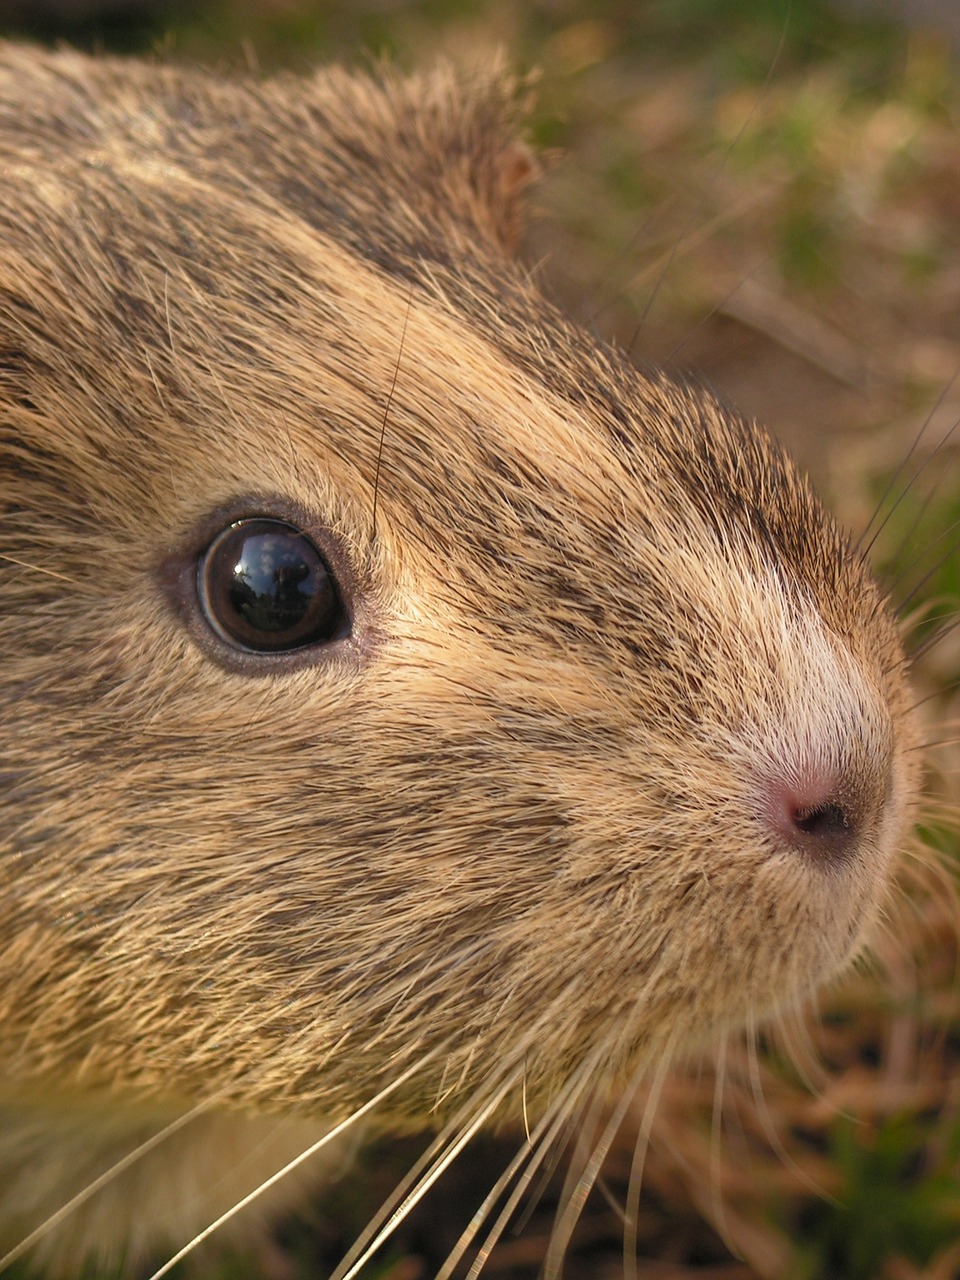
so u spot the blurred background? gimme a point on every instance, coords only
(765, 196)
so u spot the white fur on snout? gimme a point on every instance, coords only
(812, 721)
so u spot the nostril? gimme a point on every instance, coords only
(811, 816)
(826, 819)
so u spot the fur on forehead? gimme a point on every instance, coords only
(449, 138)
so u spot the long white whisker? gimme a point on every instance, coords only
(569, 1128)
(543, 1138)
(716, 1140)
(290, 1166)
(766, 1120)
(577, 1165)
(588, 1175)
(422, 1167)
(635, 1183)
(413, 1197)
(795, 1041)
(115, 1170)
(441, 1151)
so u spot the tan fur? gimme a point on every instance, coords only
(509, 826)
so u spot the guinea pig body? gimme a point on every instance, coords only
(600, 744)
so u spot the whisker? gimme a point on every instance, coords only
(934, 639)
(795, 1040)
(766, 1120)
(542, 1141)
(413, 1197)
(523, 1107)
(924, 506)
(603, 285)
(893, 583)
(38, 568)
(577, 1166)
(950, 688)
(386, 414)
(718, 308)
(438, 1155)
(685, 243)
(291, 1165)
(866, 547)
(918, 587)
(718, 1211)
(931, 743)
(584, 1181)
(98, 1183)
(635, 1182)
(565, 1137)
(722, 161)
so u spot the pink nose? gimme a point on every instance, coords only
(816, 815)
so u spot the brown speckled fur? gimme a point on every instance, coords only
(506, 828)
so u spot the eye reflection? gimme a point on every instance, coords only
(265, 586)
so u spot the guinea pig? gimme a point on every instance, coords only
(413, 712)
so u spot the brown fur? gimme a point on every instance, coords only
(505, 831)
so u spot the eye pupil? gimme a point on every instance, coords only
(265, 586)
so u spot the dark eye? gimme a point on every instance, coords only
(265, 587)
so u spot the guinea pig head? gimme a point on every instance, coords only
(393, 677)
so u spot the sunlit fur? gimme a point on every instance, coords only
(509, 835)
